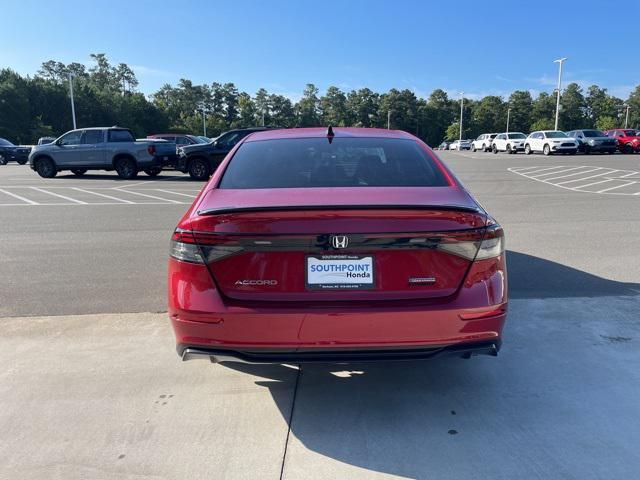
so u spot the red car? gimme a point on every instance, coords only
(628, 139)
(335, 245)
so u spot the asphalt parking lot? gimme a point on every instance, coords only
(90, 386)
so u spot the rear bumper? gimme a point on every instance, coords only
(336, 355)
(205, 324)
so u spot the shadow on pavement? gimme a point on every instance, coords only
(534, 277)
(479, 418)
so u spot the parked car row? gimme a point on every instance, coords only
(548, 142)
(115, 148)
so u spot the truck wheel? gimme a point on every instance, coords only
(199, 169)
(126, 168)
(153, 172)
(46, 168)
(79, 171)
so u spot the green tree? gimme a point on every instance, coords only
(634, 108)
(333, 108)
(363, 107)
(520, 103)
(573, 107)
(542, 112)
(308, 107)
(606, 123)
(489, 115)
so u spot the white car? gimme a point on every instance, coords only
(550, 141)
(511, 142)
(460, 145)
(483, 142)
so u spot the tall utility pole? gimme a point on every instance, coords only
(73, 107)
(559, 61)
(389, 120)
(461, 112)
(508, 114)
(626, 118)
(204, 119)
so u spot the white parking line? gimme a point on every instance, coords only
(616, 178)
(175, 193)
(586, 178)
(573, 174)
(553, 173)
(613, 188)
(30, 202)
(540, 170)
(580, 187)
(148, 196)
(102, 195)
(60, 196)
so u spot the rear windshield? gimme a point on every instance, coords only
(593, 133)
(556, 135)
(121, 136)
(346, 162)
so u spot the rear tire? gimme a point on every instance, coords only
(46, 168)
(79, 171)
(199, 169)
(126, 168)
(627, 149)
(153, 172)
(546, 150)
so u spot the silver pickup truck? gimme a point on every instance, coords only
(103, 148)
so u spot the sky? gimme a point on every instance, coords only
(481, 48)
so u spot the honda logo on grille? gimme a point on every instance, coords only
(339, 241)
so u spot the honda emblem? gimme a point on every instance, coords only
(339, 241)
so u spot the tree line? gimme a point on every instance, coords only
(106, 94)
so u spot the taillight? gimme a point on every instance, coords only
(208, 248)
(491, 245)
(183, 247)
(151, 149)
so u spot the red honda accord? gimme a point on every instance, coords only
(335, 245)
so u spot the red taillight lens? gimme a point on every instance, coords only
(490, 245)
(208, 248)
(151, 149)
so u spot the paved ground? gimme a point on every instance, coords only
(104, 396)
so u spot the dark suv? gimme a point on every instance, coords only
(11, 152)
(201, 160)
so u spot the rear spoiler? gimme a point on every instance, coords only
(277, 208)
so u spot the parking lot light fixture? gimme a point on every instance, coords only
(559, 61)
(508, 114)
(73, 107)
(461, 112)
(388, 119)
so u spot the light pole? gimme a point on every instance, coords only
(559, 61)
(626, 118)
(204, 118)
(508, 114)
(461, 112)
(388, 119)
(73, 107)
